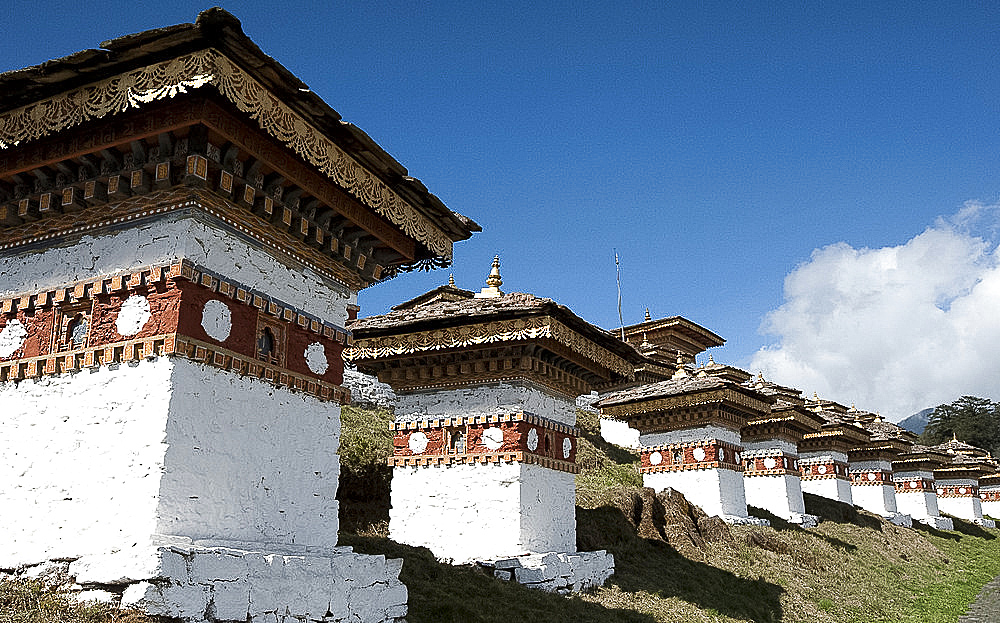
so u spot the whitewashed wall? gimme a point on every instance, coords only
(918, 504)
(486, 399)
(779, 494)
(717, 491)
(692, 434)
(969, 508)
(878, 499)
(96, 459)
(172, 239)
(619, 433)
(81, 458)
(482, 512)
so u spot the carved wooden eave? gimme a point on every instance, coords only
(919, 460)
(146, 104)
(685, 403)
(955, 471)
(786, 421)
(989, 480)
(667, 336)
(451, 343)
(879, 450)
(834, 437)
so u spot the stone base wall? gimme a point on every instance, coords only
(469, 512)
(556, 572)
(717, 491)
(194, 584)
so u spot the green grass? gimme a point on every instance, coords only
(30, 601)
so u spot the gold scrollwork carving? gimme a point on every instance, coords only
(209, 67)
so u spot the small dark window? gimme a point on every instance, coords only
(265, 344)
(77, 331)
(458, 441)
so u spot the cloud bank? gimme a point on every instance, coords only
(895, 329)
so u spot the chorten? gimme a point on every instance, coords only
(485, 437)
(184, 227)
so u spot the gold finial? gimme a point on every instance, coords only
(648, 317)
(681, 371)
(493, 282)
(451, 279)
(711, 361)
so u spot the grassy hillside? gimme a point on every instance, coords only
(673, 563)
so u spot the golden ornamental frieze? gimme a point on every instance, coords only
(209, 67)
(516, 329)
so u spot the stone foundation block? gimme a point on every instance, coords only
(193, 584)
(940, 523)
(556, 572)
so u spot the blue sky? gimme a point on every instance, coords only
(719, 147)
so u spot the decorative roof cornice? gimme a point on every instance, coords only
(124, 77)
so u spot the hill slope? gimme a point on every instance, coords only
(675, 564)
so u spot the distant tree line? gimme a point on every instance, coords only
(971, 419)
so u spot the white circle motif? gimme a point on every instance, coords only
(699, 454)
(821, 469)
(940, 491)
(872, 476)
(962, 491)
(217, 320)
(12, 337)
(982, 495)
(493, 438)
(133, 315)
(770, 463)
(316, 359)
(417, 442)
(655, 458)
(533, 439)
(567, 447)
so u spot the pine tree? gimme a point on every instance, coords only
(971, 419)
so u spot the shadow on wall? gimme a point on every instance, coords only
(441, 593)
(654, 566)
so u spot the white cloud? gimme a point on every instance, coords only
(894, 329)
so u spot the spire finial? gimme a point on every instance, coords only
(648, 317)
(711, 361)
(451, 280)
(493, 282)
(681, 371)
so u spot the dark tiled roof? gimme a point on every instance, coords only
(449, 313)
(671, 387)
(216, 28)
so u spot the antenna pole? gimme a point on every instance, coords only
(618, 270)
